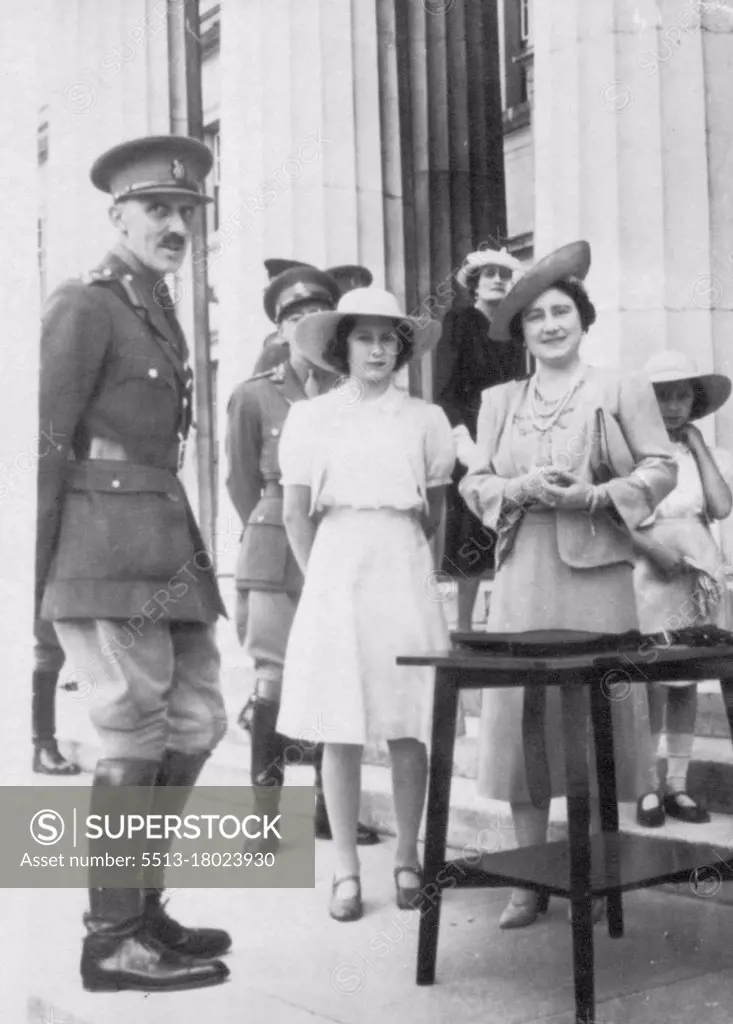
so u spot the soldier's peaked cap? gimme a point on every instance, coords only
(299, 284)
(350, 276)
(275, 267)
(173, 165)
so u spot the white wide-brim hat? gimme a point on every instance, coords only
(476, 261)
(712, 389)
(315, 331)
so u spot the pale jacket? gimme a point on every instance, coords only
(584, 541)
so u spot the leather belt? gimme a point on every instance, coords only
(272, 489)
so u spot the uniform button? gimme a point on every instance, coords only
(152, 372)
(275, 431)
(107, 272)
(115, 484)
(260, 519)
(185, 403)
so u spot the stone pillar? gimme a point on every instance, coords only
(301, 165)
(108, 82)
(22, 53)
(633, 149)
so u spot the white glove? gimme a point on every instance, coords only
(466, 450)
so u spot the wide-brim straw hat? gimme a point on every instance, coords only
(712, 389)
(569, 261)
(476, 261)
(314, 332)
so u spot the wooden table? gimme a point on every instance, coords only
(583, 866)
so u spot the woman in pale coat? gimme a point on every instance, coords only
(368, 464)
(564, 551)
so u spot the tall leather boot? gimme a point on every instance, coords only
(47, 758)
(177, 774)
(365, 836)
(119, 951)
(267, 768)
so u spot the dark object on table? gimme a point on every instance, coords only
(559, 642)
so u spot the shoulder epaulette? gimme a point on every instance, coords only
(106, 276)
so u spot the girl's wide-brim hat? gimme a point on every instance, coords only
(712, 389)
(569, 261)
(474, 263)
(314, 332)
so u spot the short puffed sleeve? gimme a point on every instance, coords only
(440, 448)
(724, 462)
(295, 452)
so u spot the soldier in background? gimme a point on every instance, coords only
(121, 568)
(275, 349)
(269, 581)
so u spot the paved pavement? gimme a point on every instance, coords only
(292, 965)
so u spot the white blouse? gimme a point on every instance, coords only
(383, 453)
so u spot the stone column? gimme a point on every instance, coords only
(301, 165)
(633, 148)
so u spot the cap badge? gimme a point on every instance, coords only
(178, 170)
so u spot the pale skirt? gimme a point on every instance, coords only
(519, 761)
(369, 596)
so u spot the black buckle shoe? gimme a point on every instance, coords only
(48, 760)
(693, 813)
(195, 942)
(115, 961)
(650, 817)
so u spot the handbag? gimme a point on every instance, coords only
(610, 456)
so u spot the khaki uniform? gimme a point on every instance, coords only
(122, 570)
(268, 578)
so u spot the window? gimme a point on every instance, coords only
(517, 47)
(213, 141)
(524, 24)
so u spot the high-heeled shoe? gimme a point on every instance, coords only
(524, 907)
(346, 908)
(409, 897)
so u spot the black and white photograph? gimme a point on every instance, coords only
(366, 481)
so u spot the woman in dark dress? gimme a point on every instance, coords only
(468, 363)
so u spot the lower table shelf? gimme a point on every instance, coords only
(618, 862)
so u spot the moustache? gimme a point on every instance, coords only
(173, 241)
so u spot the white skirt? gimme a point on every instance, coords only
(368, 598)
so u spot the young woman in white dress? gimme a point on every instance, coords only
(364, 470)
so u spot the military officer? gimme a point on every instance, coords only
(275, 349)
(121, 569)
(269, 580)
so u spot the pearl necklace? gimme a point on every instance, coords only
(559, 404)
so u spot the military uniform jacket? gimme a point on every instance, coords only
(256, 414)
(116, 535)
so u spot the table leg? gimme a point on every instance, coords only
(606, 774)
(726, 689)
(436, 828)
(575, 723)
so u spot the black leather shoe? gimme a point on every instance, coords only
(195, 942)
(692, 813)
(650, 817)
(113, 961)
(48, 760)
